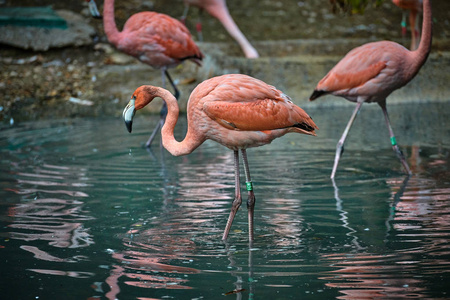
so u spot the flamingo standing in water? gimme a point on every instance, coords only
(414, 7)
(370, 73)
(219, 10)
(237, 111)
(153, 38)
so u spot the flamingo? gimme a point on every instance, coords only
(153, 38)
(370, 73)
(219, 10)
(414, 7)
(237, 111)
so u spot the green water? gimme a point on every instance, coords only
(87, 213)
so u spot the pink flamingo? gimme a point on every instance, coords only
(414, 7)
(219, 10)
(371, 72)
(237, 111)
(155, 39)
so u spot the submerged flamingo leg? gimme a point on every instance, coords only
(163, 112)
(237, 196)
(393, 140)
(251, 195)
(340, 144)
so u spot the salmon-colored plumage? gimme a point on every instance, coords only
(219, 10)
(344, 81)
(235, 110)
(371, 72)
(153, 38)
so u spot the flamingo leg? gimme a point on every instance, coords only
(198, 26)
(237, 196)
(251, 195)
(340, 144)
(393, 140)
(176, 91)
(403, 24)
(415, 32)
(185, 13)
(163, 112)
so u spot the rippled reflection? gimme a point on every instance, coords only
(151, 258)
(86, 212)
(415, 253)
(58, 221)
(50, 210)
(372, 276)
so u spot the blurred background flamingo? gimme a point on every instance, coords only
(219, 10)
(153, 38)
(415, 8)
(370, 73)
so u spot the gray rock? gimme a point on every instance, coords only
(78, 33)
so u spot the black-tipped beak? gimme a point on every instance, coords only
(93, 9)
(129, 125)
(128, 114)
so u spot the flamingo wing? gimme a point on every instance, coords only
(251, 105)
(259, 115)
(358, 67)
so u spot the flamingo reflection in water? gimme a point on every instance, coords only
(362, 274)
(417, 227)
(155, 248)
(56, 219)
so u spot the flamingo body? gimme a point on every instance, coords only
(156, 39)
(242, 112)
(235, 110)
(371, 72)
(153, 38)
(368, 73)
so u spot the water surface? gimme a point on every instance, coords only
(87, 213)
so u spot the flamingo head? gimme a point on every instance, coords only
(141, 97)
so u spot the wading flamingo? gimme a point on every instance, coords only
(371, 72)
(237, 111)
(414, 7)
(219, 10)
(155, 39)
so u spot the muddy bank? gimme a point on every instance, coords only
(96, 80)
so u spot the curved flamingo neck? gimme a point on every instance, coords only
(109, 22)
(190, 142)
(421, 54)
(220, 11)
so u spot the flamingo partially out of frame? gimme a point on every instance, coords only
(237, 111)
(415, 8)
(219, 10)
(371, 72)
(153, 38)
